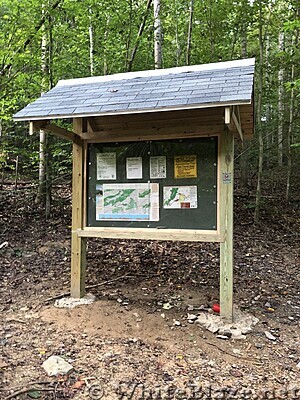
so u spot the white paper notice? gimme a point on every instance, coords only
(134, 167)
(158, 167)
(106, 166)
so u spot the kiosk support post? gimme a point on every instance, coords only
(78, 249)
(226, 223)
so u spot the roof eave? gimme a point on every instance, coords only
(137, 111)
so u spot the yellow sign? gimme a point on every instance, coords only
(185, 166)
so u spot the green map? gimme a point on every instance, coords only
(180, 197)
(125, 201)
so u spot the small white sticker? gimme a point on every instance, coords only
(226, 177)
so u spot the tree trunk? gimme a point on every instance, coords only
(289, 137)
(189, 37)
(105, 67)
(91, 39)
(43, 137)
(44, 187)
(139, 35)
(259, 115)
(280, 103)
(157, 36)
(244, 155)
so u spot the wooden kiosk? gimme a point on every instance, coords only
(153, 155)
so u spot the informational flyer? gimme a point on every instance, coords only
(134, 167)
(185, 166)
(180, 197)
(127, 202)
(106, 166)
(158, 167)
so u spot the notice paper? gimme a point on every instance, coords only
(106, 166)
(134, 167)
(185, 166)
(158, 167)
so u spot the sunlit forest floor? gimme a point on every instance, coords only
(129, 344)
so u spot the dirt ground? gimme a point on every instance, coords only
(135, 341)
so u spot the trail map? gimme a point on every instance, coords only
(123, 202)
(180, 197)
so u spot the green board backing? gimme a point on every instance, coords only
(200, 171)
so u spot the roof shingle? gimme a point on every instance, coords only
(175, 88)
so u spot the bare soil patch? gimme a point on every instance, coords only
(127, 344)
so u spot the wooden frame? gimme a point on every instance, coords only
(223, 234)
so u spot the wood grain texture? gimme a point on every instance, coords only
(152, 234)
(78, 245)
(226, 225)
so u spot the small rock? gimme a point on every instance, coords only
(28, 254)
(223, 337)
(55, 365)
(190, 307)
(236, 373)
(298, 365)
(176, 323)
(2, 245)
(224, 332)
(291, 318)
(70, 302)
(3, 365)
(246, 330)
(192, 317)
(270, 336)
(259, 345)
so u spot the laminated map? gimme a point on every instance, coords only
(180, 197)
(127, 202)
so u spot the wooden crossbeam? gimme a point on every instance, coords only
(233, 120)
(237, 121)
(92, 127)
(47, 126)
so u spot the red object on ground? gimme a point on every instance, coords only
(216, 308)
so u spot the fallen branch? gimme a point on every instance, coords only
(91, 287)
(29, 389)
(19, 321)
(231, 354)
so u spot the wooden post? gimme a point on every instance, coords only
(78, 250)
(226, 224)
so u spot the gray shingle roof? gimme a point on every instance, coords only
(195, 86)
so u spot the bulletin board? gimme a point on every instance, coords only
(169, 184)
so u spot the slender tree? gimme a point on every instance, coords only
(280, 102)
(189, 35)
(259, 117)
(157, 35)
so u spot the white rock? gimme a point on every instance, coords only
(192, 317)
(223, 337)
(298, 365)
(71, 302)
(270, 336)
(55, 365)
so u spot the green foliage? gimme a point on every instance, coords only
(220, 29)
